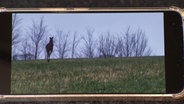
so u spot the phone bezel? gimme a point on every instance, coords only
(173, 50)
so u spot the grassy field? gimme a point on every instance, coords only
(110, 75)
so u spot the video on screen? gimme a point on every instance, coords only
(88, 53)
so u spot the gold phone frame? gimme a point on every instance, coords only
(92, 97)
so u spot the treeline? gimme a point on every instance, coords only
(76, 45)
(90, 3)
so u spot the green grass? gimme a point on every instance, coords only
(110, 75)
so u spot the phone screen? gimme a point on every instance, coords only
(90, 53)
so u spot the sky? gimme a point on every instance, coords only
(151, 23)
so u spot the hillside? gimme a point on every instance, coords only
(105, 75)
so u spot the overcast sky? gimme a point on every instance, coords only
(151, 23)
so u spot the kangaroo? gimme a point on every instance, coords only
(49, 48)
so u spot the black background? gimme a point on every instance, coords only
(93, 3)
(90, 3)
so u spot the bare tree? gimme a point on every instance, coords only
(26, 50)
(75, 43)
(16, 21)
(62, 43)
(133, 44)
(140, 42)
(15, 29)
(107, 46)
(125, 44)
(37, 35)
(89, 44)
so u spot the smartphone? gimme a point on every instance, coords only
(91, 52)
